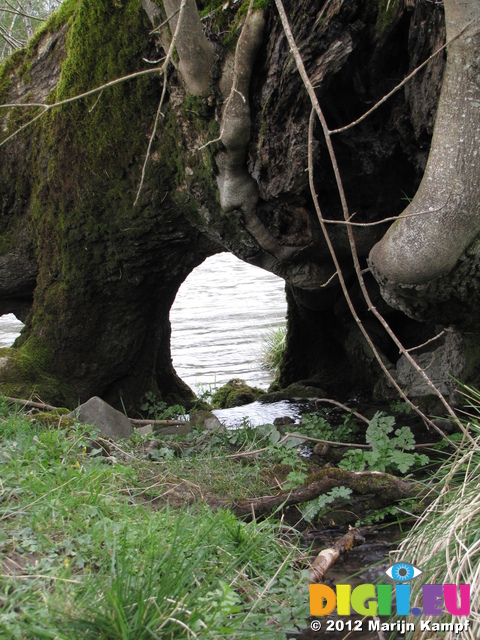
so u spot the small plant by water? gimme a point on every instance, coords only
(158, 410)
(393, 454)
(274, 343)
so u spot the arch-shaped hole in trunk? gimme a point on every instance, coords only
(221, 318)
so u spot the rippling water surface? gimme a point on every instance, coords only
(9, 329)
(220, 317)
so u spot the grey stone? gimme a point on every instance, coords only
(207, 420)
(145, 431)
(110, 422)
(442, 364)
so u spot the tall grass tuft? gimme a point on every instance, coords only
(445, 542)
(274, 342)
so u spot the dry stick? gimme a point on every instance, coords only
(17, 12)
(327, 557)
(350, 445)
(424, 344)
(317, 109)
(344, 407)
(391, 218)
(402, 83)
(31, 404)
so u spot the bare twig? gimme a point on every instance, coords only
(61, 103)
(400, 216)
(424, 344)
(19, 12)
(165, 22)
(30, 404)
(344, 407)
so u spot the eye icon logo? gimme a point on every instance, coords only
(403, 572)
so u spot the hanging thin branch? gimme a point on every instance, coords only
(165, 64)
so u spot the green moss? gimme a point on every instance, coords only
(235, 394)
(5, 243)
(387, 14)
(86, 172)
(23, 376)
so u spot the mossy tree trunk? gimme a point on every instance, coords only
(99, 273)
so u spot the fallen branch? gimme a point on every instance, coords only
(385, 487)
(161, 422)
(31, 404)
(326, 558)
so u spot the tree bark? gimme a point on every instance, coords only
(426, 263)
(226, 172)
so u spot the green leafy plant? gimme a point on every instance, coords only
(315, 425)
(158, 410)
(387, 453)
(316, 508)
(399, 510)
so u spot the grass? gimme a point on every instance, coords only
(90, 548)
(445, 542)
(274, 343)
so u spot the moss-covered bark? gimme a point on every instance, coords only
(99, 319)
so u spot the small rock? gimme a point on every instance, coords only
(110, 422)
(206, 419)
(283, 420)
(145, 431)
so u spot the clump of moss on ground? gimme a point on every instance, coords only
(235, 394)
